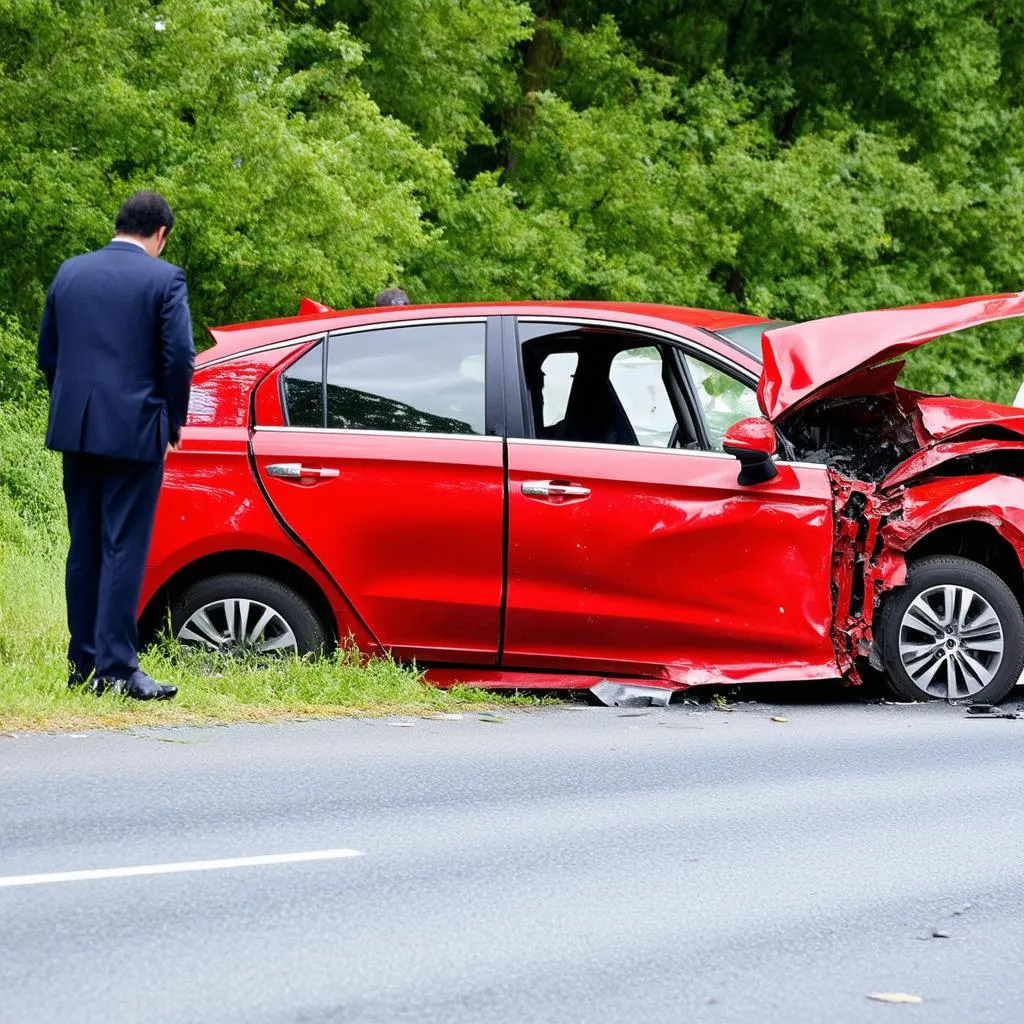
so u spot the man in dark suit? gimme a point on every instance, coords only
(116, 347)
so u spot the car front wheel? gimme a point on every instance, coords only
(239, 613)
(955, 631)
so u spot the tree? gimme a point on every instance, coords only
(284, 175)
(786, 159)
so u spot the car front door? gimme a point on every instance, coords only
(389, 468)
(632, 547)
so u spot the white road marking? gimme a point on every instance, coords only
(173, 869)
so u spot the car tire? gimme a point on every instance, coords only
(955, 624)
(224, 612)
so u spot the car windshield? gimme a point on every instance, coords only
(748, 336)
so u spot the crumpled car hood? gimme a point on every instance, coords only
(819, 358)
(942, 417)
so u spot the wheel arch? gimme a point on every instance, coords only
(978, 541)
(261, 563)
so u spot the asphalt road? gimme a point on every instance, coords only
(578, 864)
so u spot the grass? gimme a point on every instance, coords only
(34, 694)
(33, 638)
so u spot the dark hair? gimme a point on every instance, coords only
(143, 215)
(392, 297)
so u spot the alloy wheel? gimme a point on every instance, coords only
(950, 642)
(238, 626)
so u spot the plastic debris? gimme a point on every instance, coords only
(990, 711)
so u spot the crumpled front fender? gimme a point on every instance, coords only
(877, 527)
(993, 499)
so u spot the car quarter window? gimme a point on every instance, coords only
(723, 399)
(303, 389)
(421, 378)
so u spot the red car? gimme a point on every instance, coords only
(628, 498)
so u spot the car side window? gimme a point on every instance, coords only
(592, 386)
(419, 378)
(724, 400)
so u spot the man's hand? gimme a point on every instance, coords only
(173, 447)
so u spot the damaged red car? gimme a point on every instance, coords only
(626, 498)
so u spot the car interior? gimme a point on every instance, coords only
(594, 411)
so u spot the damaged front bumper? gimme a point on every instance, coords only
(877, 526)
(863, 567)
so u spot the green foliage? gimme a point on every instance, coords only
(790, 160)
(31, 499)
(284, 176)
(20, 383)
(436, 64)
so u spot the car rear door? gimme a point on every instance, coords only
(637, 557)
(389, 469)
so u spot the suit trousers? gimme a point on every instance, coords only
(111, 507)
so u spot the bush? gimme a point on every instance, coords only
(31, 499)
(20, 382)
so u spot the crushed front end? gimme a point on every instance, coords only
(901, 466)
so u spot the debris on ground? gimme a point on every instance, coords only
(779, 718)
(894, 997)
(990, 711)
(641, 701)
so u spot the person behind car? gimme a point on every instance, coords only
(392, 297)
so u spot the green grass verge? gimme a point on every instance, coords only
(34, 694)
(33, 639)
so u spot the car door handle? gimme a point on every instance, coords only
(296, 471)
(554, 489)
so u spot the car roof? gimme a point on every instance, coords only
(237, 338)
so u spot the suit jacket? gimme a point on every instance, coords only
(116, 347)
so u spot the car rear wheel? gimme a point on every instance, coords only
(955, 631)
(239, 614)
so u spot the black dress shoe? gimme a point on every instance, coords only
(138, 686)
(77, 678)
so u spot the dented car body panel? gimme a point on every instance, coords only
(943, 417)
(665, 574)
(947, 454)
(514, 557)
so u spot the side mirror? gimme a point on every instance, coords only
(752, 441)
